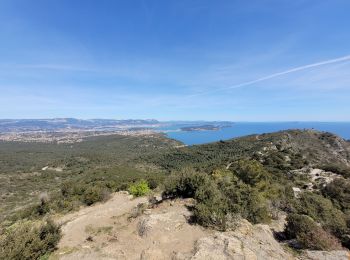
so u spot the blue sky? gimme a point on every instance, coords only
(180, 59)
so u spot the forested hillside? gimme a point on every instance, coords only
(302, 173)
(301, 148)
(108, 162)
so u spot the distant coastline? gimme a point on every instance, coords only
(200, 128)
(194, 135)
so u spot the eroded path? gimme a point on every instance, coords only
(107, 231)
(101, 218)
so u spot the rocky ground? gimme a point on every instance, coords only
(127, 228)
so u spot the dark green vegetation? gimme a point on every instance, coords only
(252, 177)
(42, 179)
(29, 240)
(90, 170)
(223, 195)
(139, 188)
(309, 234)
(302, 148)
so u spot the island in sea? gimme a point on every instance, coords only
(205, 127)
(200, 128)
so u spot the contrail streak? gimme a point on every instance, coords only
(305, 67)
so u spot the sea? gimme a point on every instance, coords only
(239, 129)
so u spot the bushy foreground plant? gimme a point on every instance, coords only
(338, 191)
(223, 196)
(95, 194)
(309, 234)
(185, 183)
(251, 172)
(322, 211)
(212, 208)
(246, 200)
(29, 240)
(139, 188)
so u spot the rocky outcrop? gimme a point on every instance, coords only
(247, 242)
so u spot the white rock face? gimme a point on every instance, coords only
(222, 247)
(249, 242)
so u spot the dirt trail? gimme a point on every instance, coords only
(106, 231)
(77, 226)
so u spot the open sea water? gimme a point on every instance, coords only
(241, 129)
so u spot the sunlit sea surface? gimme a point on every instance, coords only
(241, 129)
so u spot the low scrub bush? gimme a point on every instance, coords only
(309, 234)
(34, 211)
(139, 188)
(29, 240)
(322, 210)
(222, 197)
(212, 208)
(185, 183)
(255, 175)
(94, 194)
(246, 200)
(339, 192)
(251, 172)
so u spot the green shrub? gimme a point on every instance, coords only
(322, 210)
(66, 189)
(246, 200)
(212, 208)
(94, 194)
(62, 204)
(29, 240)
(251, 172)
(70, 189)
(140, 188)
(339, 192)
(220, 198)
(309, 234)
(221, 174)
(33, 211)
(185, 183)
(254, 174)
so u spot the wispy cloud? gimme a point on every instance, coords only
(275, 75)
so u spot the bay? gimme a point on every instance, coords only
(247, 128)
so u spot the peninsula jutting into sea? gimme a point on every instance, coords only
(178, 129)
